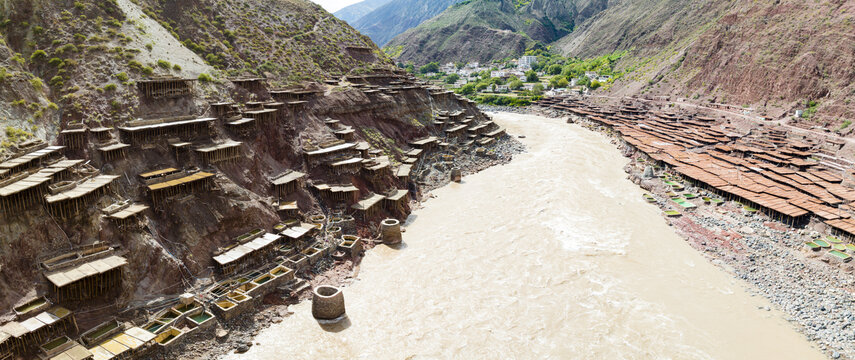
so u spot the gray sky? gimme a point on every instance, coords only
(335, 5)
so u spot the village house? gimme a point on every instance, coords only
(526, 62)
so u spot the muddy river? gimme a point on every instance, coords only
(555, 255)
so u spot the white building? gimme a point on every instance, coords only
(502, 89)
(460, 83)
(591, 75)
(498, 74)
(604, 78)
(448, 68)
(473, 65)
(527, 62)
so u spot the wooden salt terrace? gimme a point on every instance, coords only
(334, 194)
(370, 206)
(34, 159)
(113, 151)
(396, 202)
(184, 129)
(189, 184)
(287, 183)
(225, 152)
(82, 281)
(71, 202)
(74, 138)
(249, 254)
(165, 87)
(20, 337)
(127, 216)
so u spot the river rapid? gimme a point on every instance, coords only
(555, 255)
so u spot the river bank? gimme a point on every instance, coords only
(813, 292)
(516, 262)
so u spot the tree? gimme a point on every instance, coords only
(537, 90)
(515, 85)
(467, 89)
(451, 79)
(558, 82)
(584, 81)
(554, 69)
(410, 68)
(595, 85)
(531, 76)
(429, 68)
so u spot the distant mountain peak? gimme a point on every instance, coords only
(354, 12)
(397, 16)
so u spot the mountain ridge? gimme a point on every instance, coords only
(356, 11)
(397, 16)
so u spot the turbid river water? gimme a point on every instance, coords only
(554, 255)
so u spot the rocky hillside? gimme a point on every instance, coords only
(397, 16)
(78, 64)
(483, 30)
(772, 56)
(356, 11)
(77, 60)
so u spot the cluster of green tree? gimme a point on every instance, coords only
(504, 100)
(555, 64)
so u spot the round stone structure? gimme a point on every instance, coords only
(456, 175)
(390, 229)
(327, 303)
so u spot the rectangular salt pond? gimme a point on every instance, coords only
(838, 247)
(30, 306)
(201, 317)
(840, 255)
(822, 243)
(833, 240)
(813, 246)
(682, 202)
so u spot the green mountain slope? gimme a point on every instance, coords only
(483, 30)
(397, 16)
(770, 55)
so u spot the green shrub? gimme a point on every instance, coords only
(110, 87)
(3, 74)
(176, 67)
(164, 64)
(37, 84)
(56, 81)
(504, 100)
(122, 76)
(147, 70)
(51, 105)
(55, 62)
(38, 55)
(149, 46)
(66, 48)
(205, 78)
